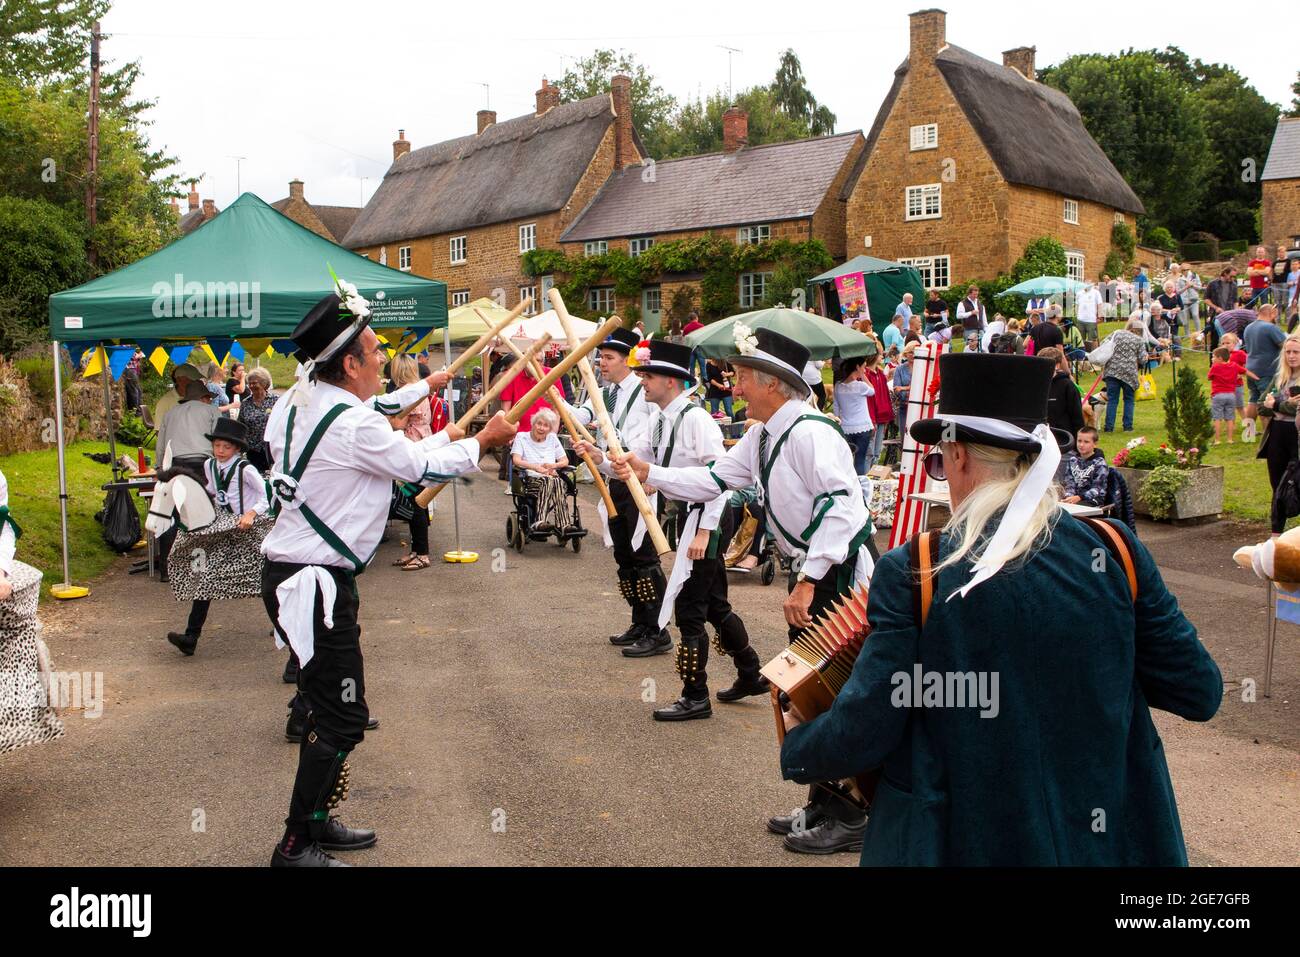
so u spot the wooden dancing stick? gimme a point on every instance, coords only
(504, 379)
(481, 343)
(607, 427)
(577, 355)
(557, 400)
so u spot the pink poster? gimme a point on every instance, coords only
(852, 290)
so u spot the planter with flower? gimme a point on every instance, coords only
(1169, 482)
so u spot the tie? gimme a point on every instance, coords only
(658, 438)
(611, 398)
(762, 448)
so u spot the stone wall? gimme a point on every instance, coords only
(1280, 215)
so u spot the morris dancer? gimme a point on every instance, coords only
(335, 459)
(685, 435)
(815, 512)
(640, 579)
(245, 502)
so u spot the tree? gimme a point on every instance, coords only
(1044, 256)
(697, 125)
(1147, 119)
(652, 107)
(795, 100)
(1295, 102)
(1239, 126)
(42, 251)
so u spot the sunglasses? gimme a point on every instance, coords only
(933, 465)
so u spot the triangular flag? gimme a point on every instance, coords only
(147, 346)
(237, 351)
(76, 350)
(158, 359)
(219, 348)
(208, 349)
(180, 354)
(286, 347)
(96, 363)
(118, 358)
(254, 347)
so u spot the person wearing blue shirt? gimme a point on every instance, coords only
(893, 336)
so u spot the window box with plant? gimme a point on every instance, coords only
(1169, 482)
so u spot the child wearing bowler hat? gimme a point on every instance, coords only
(237, 490)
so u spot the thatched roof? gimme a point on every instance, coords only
(1032, 131)
(517, 168)
(758, 184)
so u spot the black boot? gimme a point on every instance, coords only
(297, 718)
(320, 785)
(336, 836)
(809, 816)
(185, 642)
(732, 639)
(685, 709)
(841, 830)
(310, 856)
(629, 637)
(290, 675)
(652, 642)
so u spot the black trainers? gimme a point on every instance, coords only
(685, 709)
(828, 837)
(186, 643)
(650, 643)
(629, 637)
(744, 687)
(310, 856)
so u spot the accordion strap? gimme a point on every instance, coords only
(921, 559)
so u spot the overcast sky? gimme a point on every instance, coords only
(318, 90)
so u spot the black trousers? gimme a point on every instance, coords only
(331, 688)
(420, 530)
(1281, 448)
(703, 600)
(198, 616)
(633, 562)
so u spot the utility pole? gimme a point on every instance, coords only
(92, 167)
(238, 190)
(730, 51)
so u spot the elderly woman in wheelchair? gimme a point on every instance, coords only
(541, 475)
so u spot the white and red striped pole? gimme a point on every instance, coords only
(909, 515)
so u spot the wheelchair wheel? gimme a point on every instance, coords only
(767, 574)
(510, 527)
(576, 543)
(518, 540)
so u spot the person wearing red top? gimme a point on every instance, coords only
(697, 358)
(1260, 271)
(881, 405)
(1225, 376)
(516, 390)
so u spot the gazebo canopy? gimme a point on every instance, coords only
(886, 283)
(251, 272)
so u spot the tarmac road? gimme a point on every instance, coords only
(513, 733)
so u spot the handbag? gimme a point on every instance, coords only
(1286, 500)
(1101, 355)
(1146, 386)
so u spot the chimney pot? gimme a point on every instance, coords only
(193, 198)
(547, 97)
(1021, 59)
(209, 209)
(927, 32)
(400, 146)
(295, 189)
(486, 118)
(625, 151)
(735, 130)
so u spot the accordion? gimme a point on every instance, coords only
(810, 673)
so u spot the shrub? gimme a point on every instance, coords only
(1160, 238)
(132, 431)
(1044, 256)
(1187, 412)
(39, 373)
(1125, 243)
(1142, 457)
(1160, 488)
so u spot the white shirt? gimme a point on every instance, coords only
(186, 427)
(250, 494)
(812, 371)
(348, 481)
(698, 442)
(850, 405)
(549, 450)
(996, 328)
(8, 540)
(963, 312)
(1086, 306)
(633, 417)
(814, 471)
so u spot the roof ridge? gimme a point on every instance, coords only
(760, 146)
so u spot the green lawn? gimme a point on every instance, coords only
(34, 500)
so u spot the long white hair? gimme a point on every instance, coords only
(970, 521)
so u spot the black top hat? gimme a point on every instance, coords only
(232, 430)
(779, 355)
(668, 358)
(621, 340)
(1007, 388)
(329, 324)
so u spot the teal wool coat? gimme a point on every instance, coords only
(1067, 769)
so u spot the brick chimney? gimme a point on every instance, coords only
(735, 129)
(928, 32)
(194, 195)
(486, 118)
(1021, 59)
(295, 189)
(547, 97)
(209, 209)
(400, 146)
(620, 92)
(176, 208)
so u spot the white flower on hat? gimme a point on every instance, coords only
(352, 299)
(746, 341)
